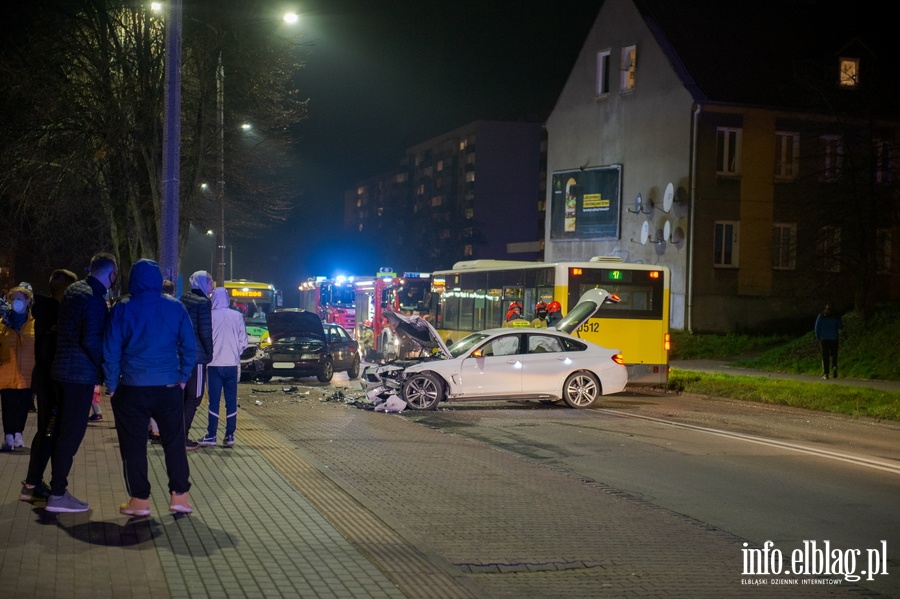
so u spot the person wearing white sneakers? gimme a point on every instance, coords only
(229, 341)
(16, 365)
(149, 352)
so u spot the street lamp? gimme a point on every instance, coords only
(290, 19)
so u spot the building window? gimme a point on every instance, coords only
(436, 201)
(470, 213)
(470, 176)
(603, 73)
(470, 158)
(884, 160)
(726, 244)
(833, 154)
(629, 60)
(784, 246)
(402, 177)
(849, 73)
(440, 165)
(828, 249)
(467, 250)
(728, 151)
(787, 154)
(883, 251)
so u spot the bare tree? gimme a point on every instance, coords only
(82, 143)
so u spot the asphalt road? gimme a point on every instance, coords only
(760, 472)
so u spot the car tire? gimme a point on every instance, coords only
(581, 390)
(423, 391)
(353, 372)
(327, 373)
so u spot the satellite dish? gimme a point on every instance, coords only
(667, 231)
(668, 197)
(645, 233)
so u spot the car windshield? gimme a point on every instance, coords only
(466, 343)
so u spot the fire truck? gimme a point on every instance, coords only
(334, 300)
(408, 294)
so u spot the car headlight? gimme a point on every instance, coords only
(309, 356)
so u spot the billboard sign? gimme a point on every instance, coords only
(585, 203)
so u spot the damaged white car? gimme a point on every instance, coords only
(504, 363)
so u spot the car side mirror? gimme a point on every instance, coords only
(477, 354)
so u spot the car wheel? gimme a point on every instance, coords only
(327, 372)
(581, 390)
(354, 368)
(423, 391)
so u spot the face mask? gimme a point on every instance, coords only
(18, 306)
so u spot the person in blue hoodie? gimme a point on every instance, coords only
(149, 352)
(827, 330)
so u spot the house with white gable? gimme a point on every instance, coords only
(747, 146)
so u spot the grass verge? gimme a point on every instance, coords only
(853, 401)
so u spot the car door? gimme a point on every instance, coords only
(545, 364)
(494, 368)
(341, 347)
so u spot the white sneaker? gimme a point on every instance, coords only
(19, 442)
(10, 444)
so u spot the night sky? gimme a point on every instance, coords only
(386, 75)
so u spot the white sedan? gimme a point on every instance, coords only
(505, 363)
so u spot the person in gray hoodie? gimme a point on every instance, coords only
(229, 341)
(148, 354)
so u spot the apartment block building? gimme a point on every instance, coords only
(474, 192)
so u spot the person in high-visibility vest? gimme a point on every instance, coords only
(514, 316)
(540, 316)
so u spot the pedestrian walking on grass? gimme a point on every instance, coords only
(828, 328)
(148, 354)
(229, 342)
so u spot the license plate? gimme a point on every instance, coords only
(283, 365)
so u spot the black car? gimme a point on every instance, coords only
(302, 345)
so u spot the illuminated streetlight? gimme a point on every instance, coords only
(291, 18)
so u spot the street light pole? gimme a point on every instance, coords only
(220, 191)
(171, 171)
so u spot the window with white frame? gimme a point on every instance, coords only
(884, 161)
(787, 154)
(828, 249)
(883, 251)
(833, 155)
(784, 246)
(728, 151)
(629, 61)
(726, 244)
(603, 73)
(848, 77)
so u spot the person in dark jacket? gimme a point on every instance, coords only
(148, 355)
(827, 329)
(77, 367)
(46, 314)
(200, 309)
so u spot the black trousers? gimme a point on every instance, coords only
(15, 404)
(47, 392)
(133, 407)
(829, 354)
(193, 395)
(71, 424)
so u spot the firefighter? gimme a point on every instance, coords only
(540, 318)
(554, 313)
(514, 316)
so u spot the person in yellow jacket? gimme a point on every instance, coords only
(540, 316)
(16, 364)
(514, 316)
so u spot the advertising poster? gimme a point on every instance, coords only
(586, 203)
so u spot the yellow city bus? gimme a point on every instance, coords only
(475, 295)
(254, 300)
